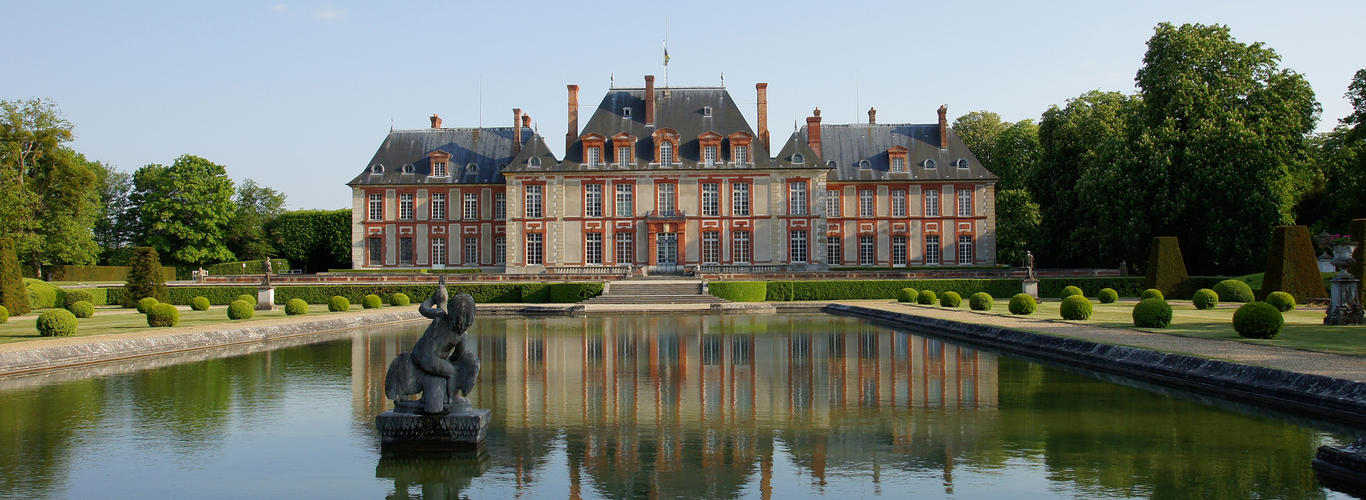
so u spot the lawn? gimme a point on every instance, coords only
(1304, 329)
(114, 321)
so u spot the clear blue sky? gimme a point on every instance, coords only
(298, 95)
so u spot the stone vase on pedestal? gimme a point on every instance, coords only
(1344, 307)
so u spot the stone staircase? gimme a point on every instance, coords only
(654, 291)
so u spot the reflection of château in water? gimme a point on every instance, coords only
(643, 401)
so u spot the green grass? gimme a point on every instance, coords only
(115, 321)
(1304, 329)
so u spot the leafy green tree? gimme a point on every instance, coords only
(69, 205)
(1339, 157)
(1017, 225)
(313, 240)
(979, 130)
(256, 205)
(184, 209)
(1015, 155)
(13, 293)
(145, 278)
(114, 228)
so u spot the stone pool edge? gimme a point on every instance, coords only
(1315, 394)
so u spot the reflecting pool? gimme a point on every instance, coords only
(638, 406)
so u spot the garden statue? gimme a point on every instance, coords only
(1030, 285)
(1029, 265)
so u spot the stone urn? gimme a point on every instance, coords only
(1344, 307)
(1342, 256)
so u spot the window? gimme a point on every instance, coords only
(594, 156)
(592, 200)
(626, 112)
(377, 169)
(533, 201)
(439, 169)
(471, 207)
(474, 169)
(965, 253)
(626, 248)
(711, 199)
(865, 203)
(932, 203)
(376, 207)
(797, 158)
(534, 162)
(932, 249)
(665, 199)
(864, 164)
(405, 206)
(592, 249)
(438, 250)
(898, 164)
(623, 155)
(831, 164)
(741, 154)
(962, 163)
(376, 250)
(709, 156)
(405, 251)
(666, 153)
(834, 250)
(739, 199)
(796, 198)
(898, 250)
(500, 250)
(500, 206)
(438, 206)
(533, 249)
(866, 251)
(832, 203)
(796, 249)
(408, 169)
(711, 247)
(706, 110)
(471, 250)
(964, 202)
(929, 163)
(898, 203)
(739, 248)
(625, 200)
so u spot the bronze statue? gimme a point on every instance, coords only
(440, 367)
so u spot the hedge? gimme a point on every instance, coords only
(42, 294)
(82, 309)
(1126, 286)
(278, 266)
(101, 273)
(98, 296)
(1291, 265)
(453, 270)
(184, 295)
(884, 289)
(13, 294)
(1166, 270)
(739, 291)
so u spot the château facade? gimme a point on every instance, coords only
(673, 179)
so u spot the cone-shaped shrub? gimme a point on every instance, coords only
(1107, 295)
(951, 299)
(145, 278)
(13, 293)
(56, 323)
(1205, 298)
(1234, 291)
(1257, 320)
(1152, 313)
(1282, 301)
(1076, 308)
(241, 309)
(980, 301)
(1166, 269)
(1023, 303)
(163, 315)
(82, 309)
(1291, 265)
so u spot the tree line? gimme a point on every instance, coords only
(1216, 147)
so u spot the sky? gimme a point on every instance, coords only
(298, 95)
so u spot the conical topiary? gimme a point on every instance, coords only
(13, 294)
(1357, 230)
(1167, 269)
(1291, 265)
(145, 278)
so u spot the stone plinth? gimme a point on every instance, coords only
(458, 428)
(265, 299)
(1343, 468)
(1030, 287)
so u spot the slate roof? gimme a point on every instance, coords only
(487, 148)
(849, 144)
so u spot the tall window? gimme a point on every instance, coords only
(865, 203)
(796, 248)
(623, 155)
(438, 206)
(898, 250)
(592, 200)
(626, 248)
(471, 250)
(376, 207)
(665, 198)
(932, 203)
(711, 247)
(932, 249)
(500, 206)
(625, 200)
(594, 156)
(834, 250)
(796, 198)
(438, 250)
(965, 249)
(739, 247)
(964, 202)
(533, 201)
(709, 156)
(500, 250)
(405, 251)
(739, 199)
(741, 154)
(376, 250)
(866, 249)
(534, 249)
(666, 153)
(711, 199)
(592, 249)
(898, 164)
(405, 206)
(471, 206)
(898, 203)
(438, 169)
(832, 203)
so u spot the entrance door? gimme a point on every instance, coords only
(667, 243)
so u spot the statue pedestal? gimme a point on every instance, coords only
(461, 427)
(1030, 287)
(265, 299)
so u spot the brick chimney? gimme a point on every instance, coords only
(436, 121)
(762, 89)
(649, 100)
(813, 131)
(872, 116)
(516, 131)
(573, 134)
(943, 127)
(526, 121)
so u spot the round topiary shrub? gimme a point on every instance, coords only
(4, 314)
(1282, 301)
(1023, 303)
(1107, 296)
(247, 297)
(371, 301)
(980, 301)
(1152, 313)
(951, 299)
(296, 307)
(199, 303)
(1076, 308)
(1205, 298)
(241, 309)
(399, 299)
(1069, 291)
(1258, 320)
(74, 296)
(163, 315)
(82, 309)
(1152, 293)
(146, 303)
(56, 323)
(907, 295)
(927, 297)
(1234, 291)
(338, 304)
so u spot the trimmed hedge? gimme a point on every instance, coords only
(56, 323)
(371, 301)
(296, 307)
(926, 298)
(1205, 298)
(1166, 269)
(82, 309)
(1126, 286)
(1107, 295)
(884, 289)
(739, 291)
(907, 295)
(337, 304)
(1152, 313)
(1291, 264)
(980, 301)
(1257, 320)
(163, 315)
(1076, 308)
(41, 294)
(1069, 291)
(1234, 291)
(1282, 301)
(4, 314)
(145, 304)
(1152, 293)
(13, 293)
(101, 273)
(278, 266)
(399, 299)
(184, 295)
(951, 299)
(1023, 303)
(200, 303)
(241, 309)
(74, 295)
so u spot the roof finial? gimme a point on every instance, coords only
(611, 80)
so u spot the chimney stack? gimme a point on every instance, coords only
(943, 127)
(526, 121)
(813, 131)
(872, 116)
(573, 133)
(649, 100)
(762, 90)
(436, 121)
(516, 131)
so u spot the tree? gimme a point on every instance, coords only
(256, 205)
(184, 209)
(1339, 159)
(978, 131)
(114, 228)
(69, 205)
(13, 293)
(145, 278)
(313, 240)
(1015, 155)
(30, 131)
(1017, 225)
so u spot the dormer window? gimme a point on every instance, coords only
(962, 163)
(666, 154)
(896, 156)
(593, 156)
(831, 164)
(706, 110)
(535, 162)
(408, 169)
(797, 159)
(438, 169)
(864, 164)
(666, 146)
(710, 144)
(593, 144)
(471, 169)
(929, 164)
(740, 154)
(623, 156)
(739, 147)
(625, 146)
(709, 156)
(377, 169)
(625, 112)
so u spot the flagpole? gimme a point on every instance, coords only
(666, 46)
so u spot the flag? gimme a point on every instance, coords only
(666, 54)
